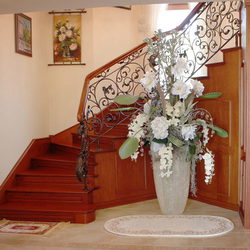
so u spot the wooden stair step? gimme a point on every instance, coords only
(58, 160)
(106, 142)
(121, 129)
(73, 150)
(54, 212)
(49, 192)
(51, 176)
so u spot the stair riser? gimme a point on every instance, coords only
(53, 164)
(30, 180)
(64, 150)
(70, 151)
(118, 130)
(105, 143)
(59, 165)
(48, 197)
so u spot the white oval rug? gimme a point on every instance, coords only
(169, 226)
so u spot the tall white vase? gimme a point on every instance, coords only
(172, 192)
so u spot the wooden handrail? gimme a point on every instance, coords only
(98, 71)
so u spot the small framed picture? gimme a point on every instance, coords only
(23, 34)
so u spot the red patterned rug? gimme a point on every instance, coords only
(169, 226)
(48, 229)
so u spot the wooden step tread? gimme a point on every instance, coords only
(51, 188)
(92, 149)
(48, 172)
(57, 157)
(110, 136)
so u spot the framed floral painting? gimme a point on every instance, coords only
(23, 34)
(67, 38)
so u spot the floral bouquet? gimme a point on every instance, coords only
(170, 118)
(67, 38)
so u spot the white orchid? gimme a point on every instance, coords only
(149, 80)
(180, 88)
(197, 87)
(180, 67)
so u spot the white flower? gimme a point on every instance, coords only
(147, 107)
(68, 33)
(179, 109)
(135, 127)
(179, 68)
(73, 46)
(168, 173)
(134, 155)
(160, 127)
(68, 25)
(149, 81)
(209, 166)
(197, 86)
(205, 135)
(61, 37)
(62, 29)
(180, 88)
(169, 109)
(188, 132)
(174, 121)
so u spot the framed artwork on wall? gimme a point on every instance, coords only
(23, 34)
(67, 39)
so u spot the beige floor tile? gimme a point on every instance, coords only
(236, 240)
(179, 242)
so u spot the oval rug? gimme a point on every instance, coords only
(169, 226)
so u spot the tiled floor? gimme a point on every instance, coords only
(94, 236)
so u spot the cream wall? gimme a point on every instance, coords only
(24, 107)
(37, 100)
(106, 33)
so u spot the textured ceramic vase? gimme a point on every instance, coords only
(172, 192)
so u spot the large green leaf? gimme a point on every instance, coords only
(219, 131)
(162, 141)
(211, 95)
(175, 141)
(128, 148)
(126, 99)
(124, 109)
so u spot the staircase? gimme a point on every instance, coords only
(47, 188)
(43, 185)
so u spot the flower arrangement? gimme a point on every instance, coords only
(168, 118)
(66, 36)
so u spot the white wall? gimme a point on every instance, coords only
(37, 100)
(23, 92)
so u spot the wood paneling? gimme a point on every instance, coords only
(224, 78)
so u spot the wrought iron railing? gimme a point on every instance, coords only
(208, 28)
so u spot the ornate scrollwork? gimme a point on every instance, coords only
(213, 26)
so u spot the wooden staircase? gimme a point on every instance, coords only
(44, 187)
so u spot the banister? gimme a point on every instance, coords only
(206, 30)
(98, 71)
